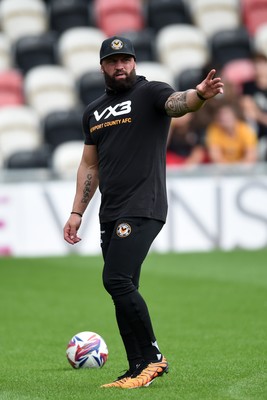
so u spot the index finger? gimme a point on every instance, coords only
(211, 74)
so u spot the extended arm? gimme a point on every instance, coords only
(87, 183)
(180, 103)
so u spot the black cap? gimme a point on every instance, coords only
(116, 45)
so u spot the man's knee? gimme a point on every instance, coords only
(118, 285)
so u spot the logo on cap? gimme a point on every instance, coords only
(116, 44)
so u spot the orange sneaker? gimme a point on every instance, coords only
(152, 371)
(119, 381)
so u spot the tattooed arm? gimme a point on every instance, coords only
(180, 103)
(87, 183)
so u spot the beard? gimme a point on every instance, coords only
(120, 85)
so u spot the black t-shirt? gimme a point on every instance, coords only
(130, 131)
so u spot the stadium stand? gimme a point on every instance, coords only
(260, 39)
(230, 44)
(155, 71)
(11, 87)
(66, 14)
(144, 43)
(6, 60)
(212, 16)
(254, 14)
(20, 130)
(62, 126)
(116, 16)
(78, 49)
(29, 159)
(237, 72)
(34, 50)
(20, 18)
(182, 46)
(50, 88)
(90, 86)
(188, 78)
(66, 158)
(161, 13)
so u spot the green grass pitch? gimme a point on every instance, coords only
(209, 312)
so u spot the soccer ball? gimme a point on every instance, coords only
(87, 350)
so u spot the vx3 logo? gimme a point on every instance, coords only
(118, 109)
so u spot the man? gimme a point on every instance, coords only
(124, 153)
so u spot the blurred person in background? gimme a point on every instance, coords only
(184, 146)
(230, 139)
(254, 100)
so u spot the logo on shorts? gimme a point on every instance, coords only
(123, 230)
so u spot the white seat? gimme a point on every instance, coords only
(50, 88)
(20, 129)
(182, 46)
(211, 16)
(78, 49)
(154, 71)
(66, 158)
(260, 39)
(5, 52)
(21, 18)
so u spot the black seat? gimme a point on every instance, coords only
(144, 44)
(32, 51)
(230, 44)
(62, 126)
(188, 79)
(29, 159)
(161, 13)
(67, 14)
(91, 85)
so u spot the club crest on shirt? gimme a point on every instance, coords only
(123, 230)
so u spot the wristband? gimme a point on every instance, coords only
(77, 213)
(200, 97)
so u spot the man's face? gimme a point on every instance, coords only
(119, 71)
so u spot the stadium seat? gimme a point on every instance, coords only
(237, 72)
(49, 88)
(5, 52)
(66, 158)
(254, 14)
(182, 46)
(91, 85)
(62, 126)
(161, 13)
(211, 16)
(154, 71)
(144, 44)
(188, 78)
(34, 50)
(29, 159)
(66, 14)
(11, 88)
(20, 130)
(260, 39)
(78, 49)
(20, 18)
(116, 16)
(228, 45)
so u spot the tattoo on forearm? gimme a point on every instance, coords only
(176, 104)
(87, 189)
